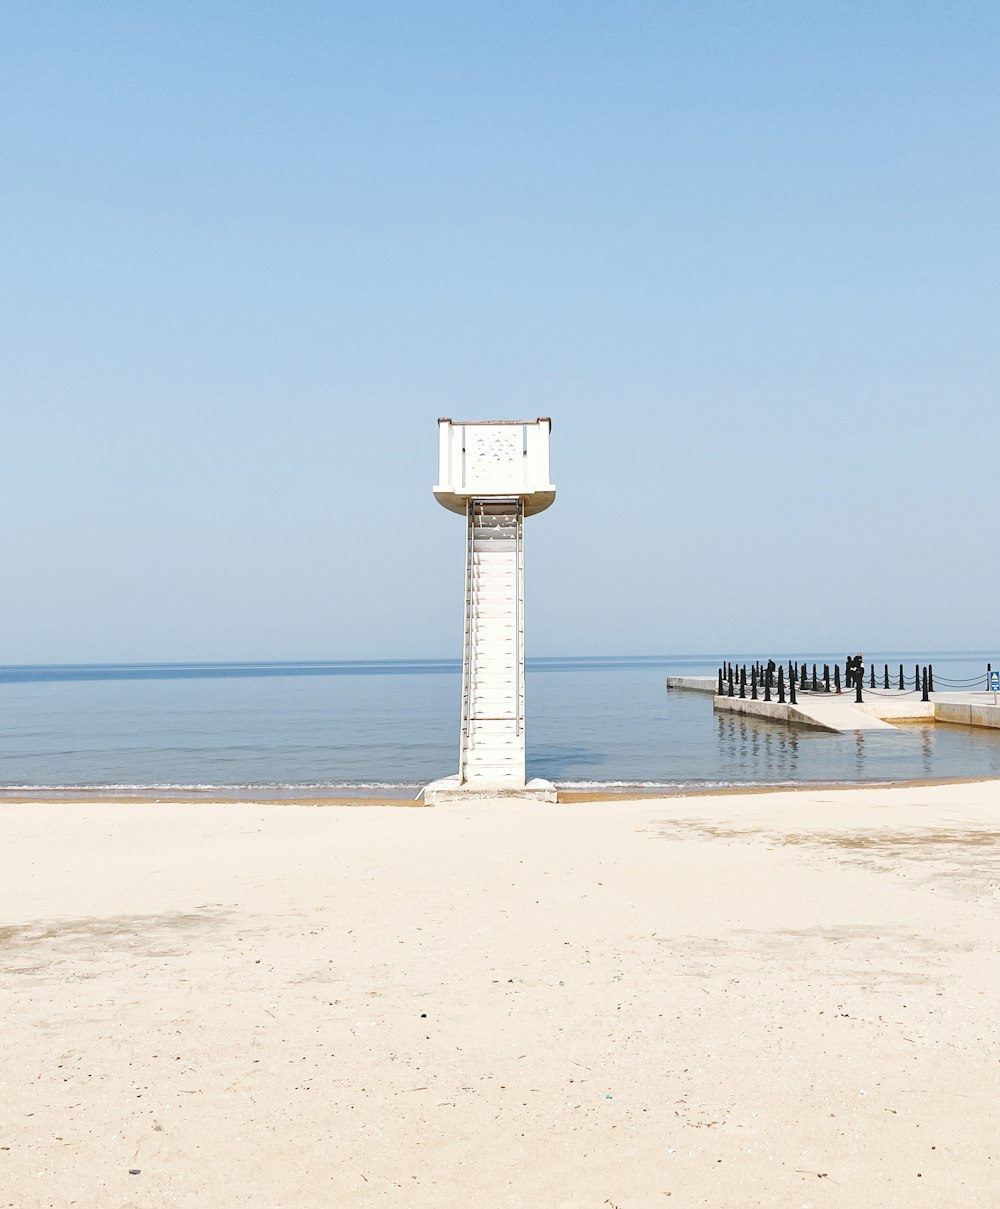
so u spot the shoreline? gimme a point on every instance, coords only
(79, 796)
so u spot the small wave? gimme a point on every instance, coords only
(100, 787)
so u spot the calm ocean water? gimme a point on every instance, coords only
(385, 728)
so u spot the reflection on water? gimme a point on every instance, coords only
(745, 744)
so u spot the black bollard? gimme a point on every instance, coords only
(826, 677)
(836, 677)
(767, 686)
(781, 685)
(926, 695)
(720, 682)
(859, 681)
(916, 678)
(731, 693)
(885, 683)
(902, 684)
(753, 682)
(872, 685)
(815, 680)
(805, 677)
(930, 677)
(791, 692)
(743, 683)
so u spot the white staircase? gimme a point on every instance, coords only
(492, 746)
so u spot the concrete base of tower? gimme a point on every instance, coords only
(451, 789)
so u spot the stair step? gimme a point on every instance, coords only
(493, 742)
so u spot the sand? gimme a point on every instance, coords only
(785, 999)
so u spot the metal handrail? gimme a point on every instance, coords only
(477, 423)
(476, 506)
(470, 580)
(518, 587)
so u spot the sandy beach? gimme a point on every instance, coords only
(785, 999)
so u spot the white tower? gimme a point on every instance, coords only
(494, 473)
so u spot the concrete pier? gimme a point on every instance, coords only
(697, 684)
(969, 713)
(840, 713)
(834, 715)
(878, 711)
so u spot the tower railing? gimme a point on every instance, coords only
(518, 590)
(470, 582)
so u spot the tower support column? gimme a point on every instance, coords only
(489, 470)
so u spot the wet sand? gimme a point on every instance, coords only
(717, 1000)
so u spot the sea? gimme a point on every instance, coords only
(384, 728)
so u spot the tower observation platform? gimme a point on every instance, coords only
(494, 473)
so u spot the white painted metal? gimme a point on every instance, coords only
(492, 739)
(495, 473)
(494, 457)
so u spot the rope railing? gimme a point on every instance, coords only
(766, 680)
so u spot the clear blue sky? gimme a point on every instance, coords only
(744, 254)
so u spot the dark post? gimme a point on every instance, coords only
(930, 677)
(805, 677)
(720, 682)
(926, 695)
(872, 685)
(731, 681)
(885, 683)
(743, 682)
(916, 677)
(826, 677)
(815, 680)
(836, 677)
(767, 686)
(858, 685)
(753, 682)
(791, 691)
(902, 684)
(781, 684)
